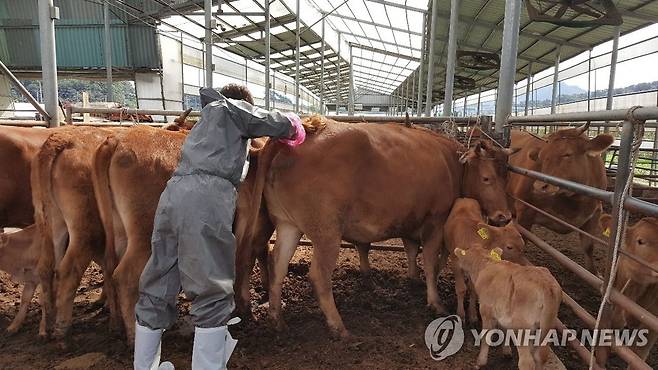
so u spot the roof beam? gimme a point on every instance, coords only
(373, 83)
(401, 6)
(384, 52)
(378, 40)
(256, 27)
(376, 24)
(370, 60)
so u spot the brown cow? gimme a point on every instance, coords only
(466, 228)
(635, 280)
(64, 204)
(512, 297)
(19, 254)
(365, 183)
(130, 171)
(18, 146)
(570, 155)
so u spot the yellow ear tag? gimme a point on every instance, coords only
(462, 252)
(483, 233)
(494, 256)
(606, 232)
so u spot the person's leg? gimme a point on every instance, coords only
(159, 286)
(206, 261)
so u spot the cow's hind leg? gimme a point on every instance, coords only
(325, 254)
(460, 290)
(411, 249)
(363, 249)
(68, 277)
(287, 238)
(431, 248)
(26, 298)
(526, 360)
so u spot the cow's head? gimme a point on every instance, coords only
(567, 154)
(642, 242)
(508, 239)
(485, 180)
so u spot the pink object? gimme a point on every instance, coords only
(300, 133)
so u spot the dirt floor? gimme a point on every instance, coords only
(384, 311)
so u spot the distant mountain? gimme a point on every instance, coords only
(546, 93)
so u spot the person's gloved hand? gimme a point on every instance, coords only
(300, 134)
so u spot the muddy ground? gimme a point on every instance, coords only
(384, 311)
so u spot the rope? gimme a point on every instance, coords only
(622, 218)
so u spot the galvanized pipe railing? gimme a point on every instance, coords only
(620, 200)
(618, 298)
(127, 111)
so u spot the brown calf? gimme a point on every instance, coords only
(464, 229)
(18, 257)
(512, 297)
(634, 280)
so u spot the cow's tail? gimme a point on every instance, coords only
(100, 176)
(265, 157)
(43, 201)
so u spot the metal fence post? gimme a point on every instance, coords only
(47, 15)
(508, 63)
(208, 41)
(452, 56)
(419, 112)
(267, 54)
(430, 57)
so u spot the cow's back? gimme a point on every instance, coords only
(460, 229)
(373, 180)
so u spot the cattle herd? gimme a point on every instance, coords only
(80, 194)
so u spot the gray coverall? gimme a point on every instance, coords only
(193, 246)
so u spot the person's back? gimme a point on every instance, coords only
(217, 145)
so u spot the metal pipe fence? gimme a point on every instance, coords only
(621, 201)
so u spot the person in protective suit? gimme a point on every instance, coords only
(193, 246)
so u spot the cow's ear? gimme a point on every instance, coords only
(533, 154)
(599, 144)
(468, 156)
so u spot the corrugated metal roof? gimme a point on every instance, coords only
(80, 38)
(481, 29)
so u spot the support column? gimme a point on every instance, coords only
(508, 63)
(350, 108)
(267, 54)
(613, 69)
(338, 77)
(413, 88)
(465, 101)
(527, 88)
(208, 41)
(47, 15)
(298, 37)
(556, 80)
(452, 57)
(430, 58)
(419, 112)
(108, 51)
(322, 70)
(479, 96)
(589, 80)
(406, 96)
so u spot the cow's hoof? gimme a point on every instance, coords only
(437, 308)
(12, 329)
(339, 333)
(278, 324)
